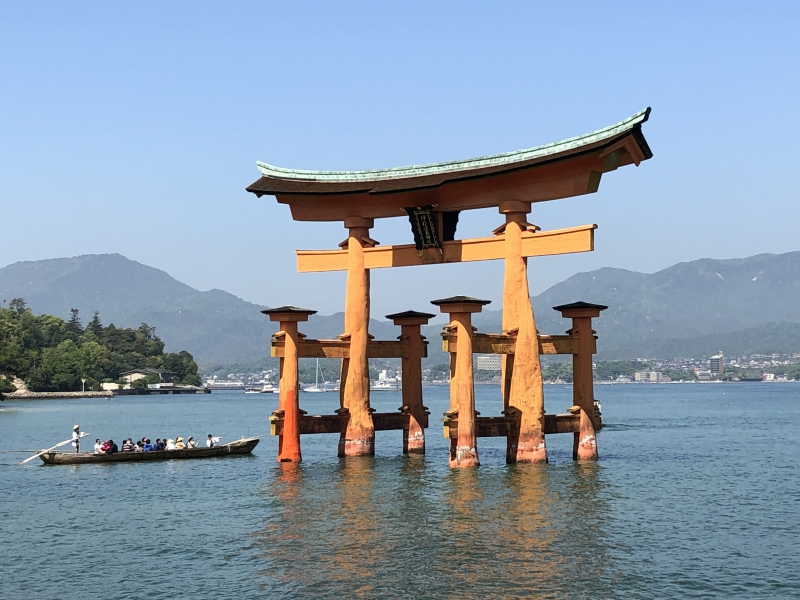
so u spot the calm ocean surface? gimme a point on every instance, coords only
(696, 495)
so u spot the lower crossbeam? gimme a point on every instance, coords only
(500, 426)
(310, 424)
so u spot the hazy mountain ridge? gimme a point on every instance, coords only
(681, 310)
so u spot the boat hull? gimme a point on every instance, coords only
(244, 446)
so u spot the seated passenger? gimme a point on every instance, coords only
(127, 445)
(114, 447)
(98, 446)
(106, 447)
(211, 441)
(148, 447)
(170, 444)
(179, 445)
(191, 443)
(139, 447)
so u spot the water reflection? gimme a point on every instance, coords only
(394, 527)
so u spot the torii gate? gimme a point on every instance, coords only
(432, 196)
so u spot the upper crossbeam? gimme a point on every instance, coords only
(541, 243)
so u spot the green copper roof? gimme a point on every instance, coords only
(493, 160)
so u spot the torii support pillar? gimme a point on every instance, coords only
(582, 313)
(289, 399)
(358, 438)
(464, 449)
(522, 389)
(410, 323)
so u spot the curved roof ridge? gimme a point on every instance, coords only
(491, 160)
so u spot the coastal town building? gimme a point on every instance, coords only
(164, 376)
(648, 376)
(489, 362)
(717, 364)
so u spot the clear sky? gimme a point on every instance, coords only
(135, 127)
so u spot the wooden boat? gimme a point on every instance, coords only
(243, 446)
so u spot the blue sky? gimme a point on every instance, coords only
(135, 127)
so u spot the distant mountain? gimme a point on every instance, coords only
(690, 309)
(699, 298)
(215, 326)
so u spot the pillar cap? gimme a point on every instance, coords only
(351, 222)
(460, 304)
(580, 309)
(288, 313)
(410, 317)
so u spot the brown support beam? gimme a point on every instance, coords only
(582, 313)
(415, 345)
(502, 426)
(310, 348)
(493, 343)
(289, 400)
(314, 424)
(464, 449)
(358, 439)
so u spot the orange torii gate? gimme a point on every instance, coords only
(432, 196)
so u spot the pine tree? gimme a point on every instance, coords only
(95, 326)
(74, 327)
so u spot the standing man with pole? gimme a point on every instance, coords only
(76, 438)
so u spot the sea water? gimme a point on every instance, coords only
(696, 494)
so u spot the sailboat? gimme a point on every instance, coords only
(315, 389)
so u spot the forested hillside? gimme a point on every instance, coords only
(51, 354)
(688, 309)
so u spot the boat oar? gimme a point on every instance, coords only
(49, 449)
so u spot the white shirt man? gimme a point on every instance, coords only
(76, 438)
(212, 441)
(98, 447)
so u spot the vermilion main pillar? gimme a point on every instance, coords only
(358, 439)
(523, 392)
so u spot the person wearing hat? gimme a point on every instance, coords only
(179, 445)
(170, 444)
(76, 438)
(191, 443)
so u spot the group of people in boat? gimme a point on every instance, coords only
(145, 445)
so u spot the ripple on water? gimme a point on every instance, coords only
(692, 497)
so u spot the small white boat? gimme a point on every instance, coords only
(385, 386)
(315, 389)
(267, 388)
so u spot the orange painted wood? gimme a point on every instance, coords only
(541, 243)
(462, 394)
(414, 433)
(358, 439)
(289, 400)
(525, 401)
(583, 388)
